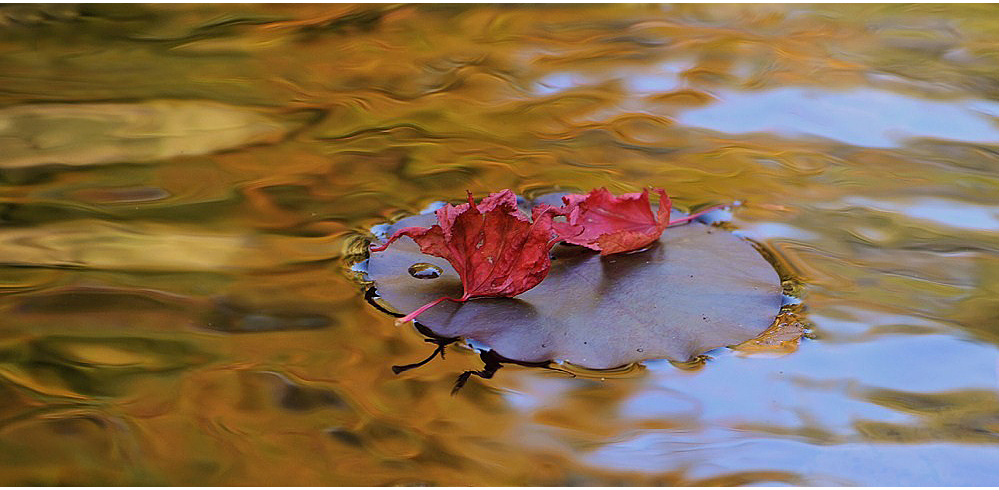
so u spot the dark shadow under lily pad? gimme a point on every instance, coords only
(696, 289)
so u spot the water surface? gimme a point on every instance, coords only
(182, 186)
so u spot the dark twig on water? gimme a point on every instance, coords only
(493, 363)
(441, 344)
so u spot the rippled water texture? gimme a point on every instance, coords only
(181, 188)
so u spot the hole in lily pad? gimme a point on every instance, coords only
(697, 288)
(422, 270)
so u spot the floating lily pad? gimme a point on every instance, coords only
(696, 289)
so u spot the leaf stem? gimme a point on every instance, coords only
(423, 308)
(696, 215)
(382, 247)
(408, 231)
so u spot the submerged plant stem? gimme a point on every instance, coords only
(441, 345)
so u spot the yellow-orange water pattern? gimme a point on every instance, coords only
(181, 185)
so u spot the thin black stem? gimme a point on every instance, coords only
(492, 365)
(441, 344)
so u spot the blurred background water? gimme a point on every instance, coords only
(181, 187)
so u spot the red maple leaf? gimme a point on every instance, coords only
(614, 224)
(493, 247)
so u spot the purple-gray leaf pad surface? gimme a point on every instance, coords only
(696, 289)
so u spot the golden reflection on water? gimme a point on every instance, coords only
(181, 185)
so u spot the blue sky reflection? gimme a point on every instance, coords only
(862, 116)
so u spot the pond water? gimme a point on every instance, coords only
(183, 188)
